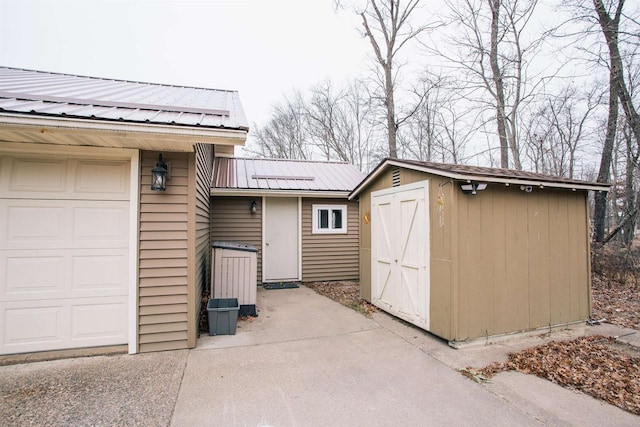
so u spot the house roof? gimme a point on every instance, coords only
(481, 174)
(71, 96)
(299, 177)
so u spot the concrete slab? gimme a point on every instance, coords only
(305, 360)
(290, 315)
(359, 378)
(118, 390)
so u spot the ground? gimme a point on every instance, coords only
(346, 293)
(601, 367)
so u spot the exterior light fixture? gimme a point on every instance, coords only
(473, 187)
(159, 175)
(253, 207)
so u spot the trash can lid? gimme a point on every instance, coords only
(237, 246)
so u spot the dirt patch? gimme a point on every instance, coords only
(346, 293)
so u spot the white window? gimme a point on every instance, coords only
(329, 219)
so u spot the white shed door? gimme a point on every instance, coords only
(400, 252)
(63, 252)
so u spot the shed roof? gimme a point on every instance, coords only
(481, 174)
(63, 95)
(244, 175)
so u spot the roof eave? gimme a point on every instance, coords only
(467, 177)
(281, 193)
(194, 134)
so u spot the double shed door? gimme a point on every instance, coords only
(400, 252)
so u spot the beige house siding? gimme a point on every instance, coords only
(502, 260)
(329, 256)
(231, 219)
(163, 269)
(204, 169)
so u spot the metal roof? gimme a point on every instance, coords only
(277, 175)
(482, 174)
(64, 95)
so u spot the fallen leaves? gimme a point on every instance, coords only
(346, 293)
(594, 365)
(618, 302)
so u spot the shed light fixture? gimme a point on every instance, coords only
(253, 207)
(159, 175)
(473, 187)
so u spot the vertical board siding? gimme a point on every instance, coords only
(163, 263)
(233, 275)
(523, 260)
(231, 220)
(503, 261)
(203, 173)
(327, 257)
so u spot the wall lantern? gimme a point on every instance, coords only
(473, 187)
(159, 175)
(254, 207)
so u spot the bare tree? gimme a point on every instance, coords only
(285, 135)
(491, 45)
(388, 27)
(557, 130)
(609, 16)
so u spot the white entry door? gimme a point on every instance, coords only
(64, 252)
(281, 251)
(400, 252)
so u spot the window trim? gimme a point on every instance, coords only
(315, 214)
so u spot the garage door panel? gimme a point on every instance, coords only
(34, 177)
(103, 272)
(25, 275)
(29, 326)
(105, 178)
(64, 252)
(60, 224)
(61, 324)
(51, 274)
(101, 224)
(99, 319)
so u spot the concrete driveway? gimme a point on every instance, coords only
(305, 361)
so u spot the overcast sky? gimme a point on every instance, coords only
(263, 49)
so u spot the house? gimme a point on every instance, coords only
(295, 212)
(90, 255)
(470, 252)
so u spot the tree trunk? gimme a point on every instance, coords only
(497, 80)
(610, 31)
(391, 108)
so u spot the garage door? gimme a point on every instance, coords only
(400, 252)
(64, 252)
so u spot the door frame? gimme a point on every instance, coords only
(265, 213)
(421, 185)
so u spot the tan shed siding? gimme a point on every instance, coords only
(231, 219)
(163, 264)
(204, 172)
(328, 257)
(523, 260)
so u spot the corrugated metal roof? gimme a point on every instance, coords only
(464, 172)
(284, 175)
(64, 95)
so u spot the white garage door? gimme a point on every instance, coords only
(400, 252)
(64, 247)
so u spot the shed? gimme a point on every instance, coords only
(472, 252)
(296, 213)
